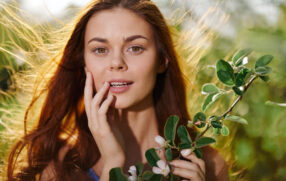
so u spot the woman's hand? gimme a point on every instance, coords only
(193, 170)
(96, 109)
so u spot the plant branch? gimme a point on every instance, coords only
(230, 109)
(240, 97)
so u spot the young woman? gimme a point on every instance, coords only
(116, 83)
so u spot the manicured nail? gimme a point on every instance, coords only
(106, 84)
(186, 152)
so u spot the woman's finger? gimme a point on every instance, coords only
(186, 165)
(88, 92)
(188, 174)
(196, 160)
(102, 111)
(100, 95)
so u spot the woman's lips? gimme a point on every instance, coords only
(119, 86)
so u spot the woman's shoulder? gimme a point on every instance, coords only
(216, 166)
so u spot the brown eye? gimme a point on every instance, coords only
(135, 49)
(100, 50)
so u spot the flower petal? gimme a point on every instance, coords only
(157, 170)
(132, 178)
(161, 164)
(132, 169)
(160, 140)
(165, 172)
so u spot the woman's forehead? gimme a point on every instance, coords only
(117, 23)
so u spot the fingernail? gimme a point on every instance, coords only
(186, 152)
(106, 84)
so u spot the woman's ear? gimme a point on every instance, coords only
(163, 66)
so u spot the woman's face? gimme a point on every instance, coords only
(120, 49)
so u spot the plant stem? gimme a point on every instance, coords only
(230, 109)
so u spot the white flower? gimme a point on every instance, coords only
(132, 171)
(160, 140)
(162, 168)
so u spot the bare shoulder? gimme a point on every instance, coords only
(216, 166)
(49, 172)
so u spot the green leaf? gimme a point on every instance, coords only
(241, 77)
(238, 56)
(217, 131)
(200, 116)
(237, 91)
(265, 78)
(169, 154)
(224, 130)
(225, 72)
(184, 135)
(156, 177)
(210, 99)
(264, 60)
(139, 168)
(174, 177)
(170, 128)
(209, 88)
(216, 124)
(204, 141)
(116, 174)
(198, 153)
(152, 157)
(236, 119)
(185, 146)
(263, 70)
(147, 175)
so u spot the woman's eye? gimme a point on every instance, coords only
(135, 49)
(100, 50)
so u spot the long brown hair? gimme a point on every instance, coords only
(63, 115)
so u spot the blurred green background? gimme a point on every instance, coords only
(256, 151)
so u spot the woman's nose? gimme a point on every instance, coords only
(118, 63)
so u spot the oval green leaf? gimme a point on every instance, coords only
(147, 175)
(116, 174)
(264, 60)
(265, 78)
(216, 124)
(198, 153)
(263, 70)
(225, 72)
(209, 88)
(204, 141)
(184, 135)
(236, 119)
(139, 168)
(237, 91)
(217, 131)
(170, 128)
(185, 146)
(238, 56)
(224, 131)
(152, 157)
(169, 154)
(241, 77)
(200, 116)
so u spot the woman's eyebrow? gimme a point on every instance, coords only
(131, 38)
(128, 39)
